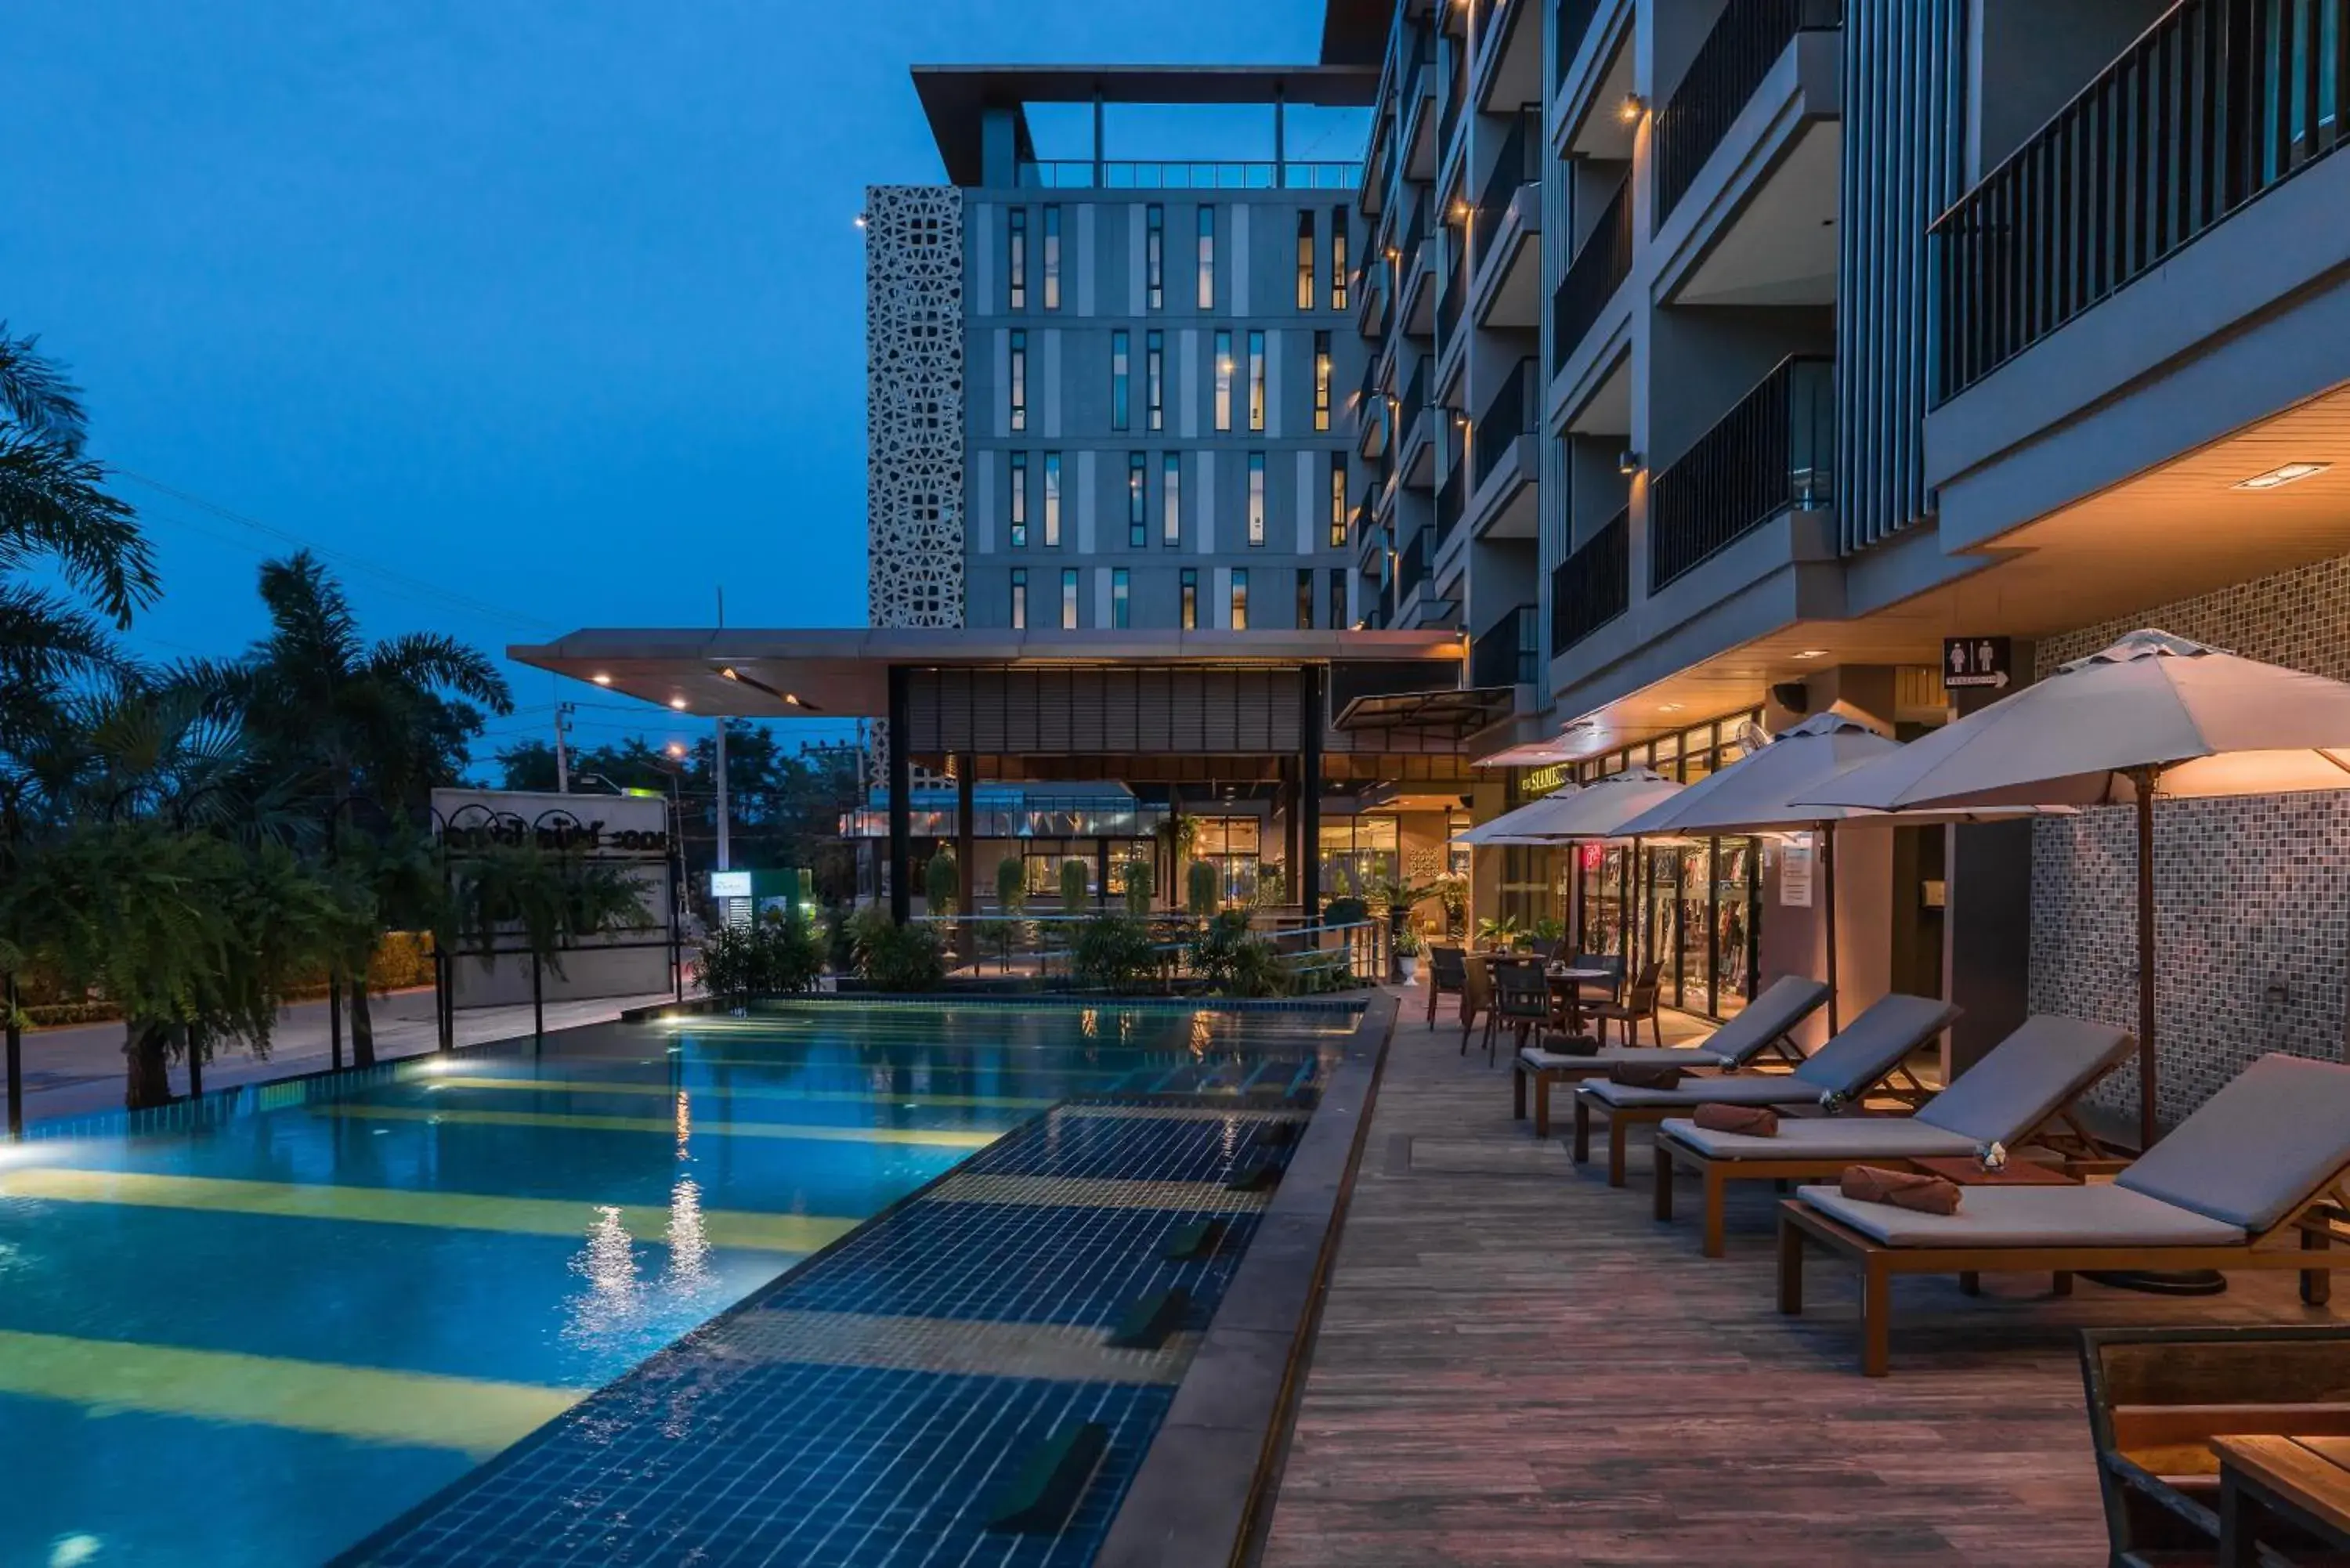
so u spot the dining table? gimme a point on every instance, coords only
(2266, 1478)
(1566, 985)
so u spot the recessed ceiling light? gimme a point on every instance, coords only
(1669, 707)
(677, 703)
(600, 679)
(2283, 475)
(1813, 653)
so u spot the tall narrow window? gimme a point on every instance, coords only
(1256, 499)
(1256, 380)
(1337, 264)
(1154, 379)
(1019, 509)
(1171, 477)
(1240, 598)
(1207, 258)
(1137, 504)
(1321, 380)
(1015, 271)
(1051, 500)
(1121, 355)
(1338, 597)
(1019, 598)
(1306, 260)
(1337, 503)
(1121, 589)
(1190, 616)
(1068, 598)
(1019, 373)
(1223, 381)
(1052, 258)
(1154, 255)
(1305, 599)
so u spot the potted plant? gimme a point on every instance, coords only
(1452, 892)
(1407, 952)
(1500, 934)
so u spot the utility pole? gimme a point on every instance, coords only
(563, 711)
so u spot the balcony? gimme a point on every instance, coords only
(1505, 227)
(2216, 105)
(1411, 568)
(1592, 279)
(1415, 299)
(1569, 29)
(1373, 295)
(1416, 425)
(1735, 58)
(1448, 313)
(1451, 496)
(1774, 452)
(1417, 114)
(1455, 98)
(1125, 174)
(1503, 461)
(1509, 653)
(1592, 586)
(1509, 66)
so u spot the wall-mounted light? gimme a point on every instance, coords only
(600, 679)
(1813, 653)
(2283, 475)
(1669, 706)
(861, 220)
(1627, 462)
(1460, 212)
(1633, 107)
(677, 703)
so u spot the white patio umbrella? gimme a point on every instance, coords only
(1760, 793)
(2153, 714)
(1513, 827)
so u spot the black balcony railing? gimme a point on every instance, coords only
(1363, 520)
(1450, 496)
(1574, 21)
(1456, 94)
(1745, 42)
(1415, 396)
(2218, 102)
(1592, 586)
(1510, 414)
(1415, 234)
(1773, 452)
(1515, 166)
(1447, 310)
(1411, 566)
(1598, 270)
(1510, 651)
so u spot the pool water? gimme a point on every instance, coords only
(257, 1342)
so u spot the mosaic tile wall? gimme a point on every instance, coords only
(2252, 895)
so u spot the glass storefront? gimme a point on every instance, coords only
(1041, 860)
(1359, 853)
(1235, 847)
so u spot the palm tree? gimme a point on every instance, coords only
(357, 732)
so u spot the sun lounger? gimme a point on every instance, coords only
(1758, 1030)
(2235, 1187)
(1871, 1050)
(2028, 1081)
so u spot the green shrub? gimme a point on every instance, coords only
(891, 956)
(1140, 880)
(1204, 887)
(781, 954)
(1077, 886)
(1234, 962)
(1346, 911)
(1010, 885)
(1112, 952)
(941, 884)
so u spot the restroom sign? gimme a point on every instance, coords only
(1976, 661)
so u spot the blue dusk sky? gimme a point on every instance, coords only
(530, 315)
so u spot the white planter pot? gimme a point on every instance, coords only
(1409, 965)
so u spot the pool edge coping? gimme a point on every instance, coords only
(1207, 1484)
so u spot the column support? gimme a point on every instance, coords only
(902, 803)
(1309, 794)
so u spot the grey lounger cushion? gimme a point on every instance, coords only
(1873, 1045)
(2097, 1216)
(1756, 1027)
(2026, 1078)
(1689, 1056)
(2258, 1149)
(1746, 1089)
(1828, 1137)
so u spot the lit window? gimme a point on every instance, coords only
(1256, 498)
(1223, 381)
(1019, 380)
(1051, 500)
(1190, 599)
(1321, 380)
(1120, 591)
(1019, 598)
(1120, 357)
(1052, 258)
(1171, 475)
(1020, 501)
(1154, 378)
(1016, 272)
(1138, 525)
(1154, 255)
(1207, 258)
(1240, 598)
(1305, 260)
(1305, 599)
(1337, 501)
(1068, 598)
(1256, 380)
(1337, 264)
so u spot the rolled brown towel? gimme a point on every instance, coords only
(1638, 1077)
(1754, 1121)
(1902, 1189)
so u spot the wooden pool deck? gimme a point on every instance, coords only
(1517, 1364)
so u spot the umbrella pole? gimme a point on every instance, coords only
(2143, 780)
(1828, 872)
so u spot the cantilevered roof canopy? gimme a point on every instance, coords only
(955, 97)
(843, 671)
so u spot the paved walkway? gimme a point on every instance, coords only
(1517, 1364)
(78, 1071)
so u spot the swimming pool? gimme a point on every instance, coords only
(258, 1341)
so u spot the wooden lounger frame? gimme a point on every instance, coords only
(1899, 1082)
(1718, 1174)
(2319, 1222)
(1779, 1054)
